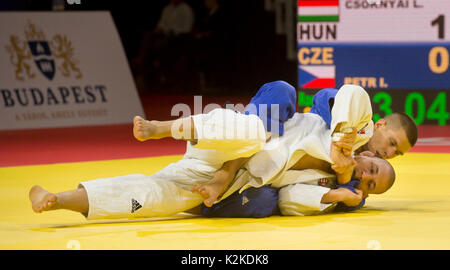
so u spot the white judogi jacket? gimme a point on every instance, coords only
(304, 196)
(306, 133)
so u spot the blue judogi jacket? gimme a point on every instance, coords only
(323, 103)
(278, 93)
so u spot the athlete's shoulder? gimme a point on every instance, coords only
(327, 92)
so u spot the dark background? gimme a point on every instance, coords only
(250, 54)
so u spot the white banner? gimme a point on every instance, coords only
(60, 69)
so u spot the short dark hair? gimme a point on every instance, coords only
(404, 121)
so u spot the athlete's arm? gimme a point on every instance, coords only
(340, 154)
(343, 195)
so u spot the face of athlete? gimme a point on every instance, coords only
(388, 143)
(374, 174)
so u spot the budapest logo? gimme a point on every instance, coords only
(49, 56)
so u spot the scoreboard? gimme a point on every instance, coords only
(398, 50)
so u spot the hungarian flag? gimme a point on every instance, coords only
(318, 10)
(317, 77)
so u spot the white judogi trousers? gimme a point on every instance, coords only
(167, 192)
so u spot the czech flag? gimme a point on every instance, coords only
(317, 77)
(318, 10)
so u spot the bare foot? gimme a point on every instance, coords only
(210, 191)
(143, 129)
(41, 199)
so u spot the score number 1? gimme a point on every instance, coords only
(440, 21)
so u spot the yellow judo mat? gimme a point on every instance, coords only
(414, 214)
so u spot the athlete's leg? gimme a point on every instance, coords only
(75, 200)
(145, 130)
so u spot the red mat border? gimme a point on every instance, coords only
(76, 144)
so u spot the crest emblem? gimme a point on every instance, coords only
(49, 56)
(40, 50)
